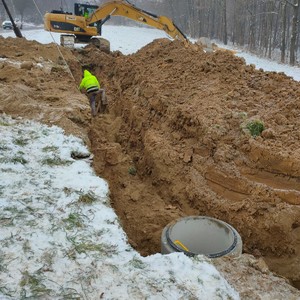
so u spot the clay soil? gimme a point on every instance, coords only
(175, 140)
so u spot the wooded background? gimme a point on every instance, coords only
(270, 28)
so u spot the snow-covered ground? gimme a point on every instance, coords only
(125, 39)
(59, 237)
(266, 64)
(269, 65)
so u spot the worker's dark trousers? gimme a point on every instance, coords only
(101, 103)
(92, 97)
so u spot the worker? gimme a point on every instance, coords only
(86, 14)
(91, 85)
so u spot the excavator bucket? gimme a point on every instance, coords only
(101, 43)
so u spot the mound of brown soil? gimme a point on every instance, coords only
(176, 140)
(180, 119)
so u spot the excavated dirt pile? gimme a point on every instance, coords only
(179, 145)
(178, 138)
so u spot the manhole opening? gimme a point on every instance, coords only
(201, 235)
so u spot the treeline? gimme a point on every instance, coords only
(29, 10)
(270, 28)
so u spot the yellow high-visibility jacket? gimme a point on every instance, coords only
(89, 82)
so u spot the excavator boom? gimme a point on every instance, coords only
(125, 9)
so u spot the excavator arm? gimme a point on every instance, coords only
(125, 9)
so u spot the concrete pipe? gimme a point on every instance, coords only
(201, 235)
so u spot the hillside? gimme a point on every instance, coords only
(178, 117)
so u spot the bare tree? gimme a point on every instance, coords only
(224, 23)
(283, 30)
(21, 6)
(294, 32)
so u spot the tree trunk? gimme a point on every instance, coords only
(283, 34)
(225, 37)
(294, 32)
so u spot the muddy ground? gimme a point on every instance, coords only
(175, 140)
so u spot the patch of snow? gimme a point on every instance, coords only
(270, 66)
(265, 64)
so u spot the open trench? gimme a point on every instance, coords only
(174, 144)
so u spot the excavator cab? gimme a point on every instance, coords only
(83, 9)
(86, 10)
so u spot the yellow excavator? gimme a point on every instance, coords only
(84, 26)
